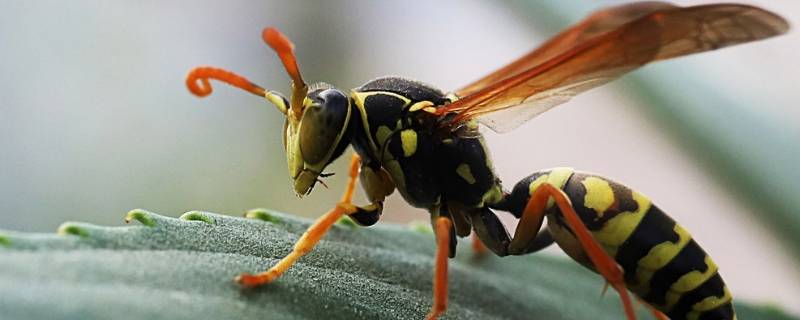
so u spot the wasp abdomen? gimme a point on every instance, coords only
(662, 263)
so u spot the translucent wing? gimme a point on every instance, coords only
(603, 47)
(597, 23)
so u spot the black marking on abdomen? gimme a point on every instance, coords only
(655, 228)
(713, 287)
(690, 258)
(723, 312)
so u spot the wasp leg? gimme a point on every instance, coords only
(543, 240)
(493, 234)
(490, 230)
(367, 215)
(532, 239)
(656, 314)
(443, 229)
(532, 217)
(478, 247)
(311, 236)
(462, 224)
(377, 185)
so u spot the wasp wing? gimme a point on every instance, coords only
(597, 23)
(595, 52)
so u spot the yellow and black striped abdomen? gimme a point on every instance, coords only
(662, 263)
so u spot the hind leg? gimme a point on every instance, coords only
(532, 217)
(531, 206)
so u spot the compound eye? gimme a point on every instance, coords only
(322, 125)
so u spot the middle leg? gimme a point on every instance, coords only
(443, 227)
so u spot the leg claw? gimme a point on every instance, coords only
(247, 280)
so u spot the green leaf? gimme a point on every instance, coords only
(171, 268)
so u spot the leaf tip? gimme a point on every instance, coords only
(420, 227)
(144, 217)
(197, 216)
(262, 214)
(71, 228)
(347, 222)
(4, 240)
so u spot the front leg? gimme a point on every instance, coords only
(377, 185)
(314, 233)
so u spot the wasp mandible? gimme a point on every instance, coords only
(425, 143)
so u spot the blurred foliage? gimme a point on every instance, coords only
(182, 269)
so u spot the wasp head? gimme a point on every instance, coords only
(317, 137)
(316, 130)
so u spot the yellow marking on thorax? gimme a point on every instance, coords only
(619, 228)
(396, 172)
(492, 196)
(689, 281)
(382, 134)
(464, 171)
(451, 96)
(709, 303)
(420, 105)
(495, 193)
(599, 195)
(657, 258)
(486, 153)
(409, 139)
(557, 177)
(360, 98)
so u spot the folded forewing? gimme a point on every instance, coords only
(600, 52)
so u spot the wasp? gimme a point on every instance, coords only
(411, 137)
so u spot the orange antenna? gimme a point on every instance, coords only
(198, 84)
(285, 50)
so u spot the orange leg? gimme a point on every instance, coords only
(604, 264)
(310, 237)
(657, 314)
(443, 226)
(478, 247)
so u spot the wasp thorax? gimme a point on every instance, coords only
(318, 137)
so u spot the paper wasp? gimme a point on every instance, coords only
(415, 138)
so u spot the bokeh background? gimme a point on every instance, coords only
(95, 119)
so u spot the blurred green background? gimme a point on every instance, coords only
(95, 119)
